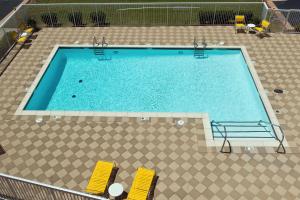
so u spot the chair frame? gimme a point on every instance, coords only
(239, 22)
(265, 29)
(151, 190)
(110, 181)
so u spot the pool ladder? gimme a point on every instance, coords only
(199, 52)
(99, 47)
(223, 128)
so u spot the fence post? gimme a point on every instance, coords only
(167, 14)
(74, 20)
(120, 19)
(265, 11)
(191, 13)
(286, 20)
(271, 15)
(98, 24)
(50, 16)
(52, 194)
(7, 39)
(14, 17)
(215, 14)
(143, 15)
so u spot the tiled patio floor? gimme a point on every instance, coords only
(64, 151)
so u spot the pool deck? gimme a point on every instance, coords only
(63, 151)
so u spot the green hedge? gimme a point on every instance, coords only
(223, 17)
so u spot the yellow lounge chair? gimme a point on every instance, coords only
(240, 23)
(19, 40)
(264, 26)
(141, 185)
(99, 180)
(23, 28)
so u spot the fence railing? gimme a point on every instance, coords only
(18, 188)
(284, 20)
(10, 24)
(127, 14)
(142, 14)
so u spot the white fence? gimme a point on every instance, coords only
(143, 14)
(127, 14)
(284, 20)
(18, 188)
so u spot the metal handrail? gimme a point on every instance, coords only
(231, 125)
(104, 43)
(17, 184)
(204, 43)
(246, 131)
(99, 50)
(277, 138)
(148, 3)
(238, 122)
(95, 42)
(195, 43)
(199, 52)
(225, 138)
(260, 123)
(249, 124)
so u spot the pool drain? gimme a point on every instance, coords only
(73, 96)
(80, 81)
(278, 91)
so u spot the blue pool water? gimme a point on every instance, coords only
(150, 80)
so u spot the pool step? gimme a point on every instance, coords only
(99, 51)
(103, 58)
(199, 53)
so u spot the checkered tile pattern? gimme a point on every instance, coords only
(64, 151)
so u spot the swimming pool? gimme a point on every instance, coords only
(150, 80)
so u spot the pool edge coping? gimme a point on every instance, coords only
(210, 141)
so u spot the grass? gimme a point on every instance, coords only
(134, 1)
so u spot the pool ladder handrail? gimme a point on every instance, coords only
(224, 136)
(96, 43)
(280, 146)
(100, 51)
(97, 51)
(199, 52)
(280, 149)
